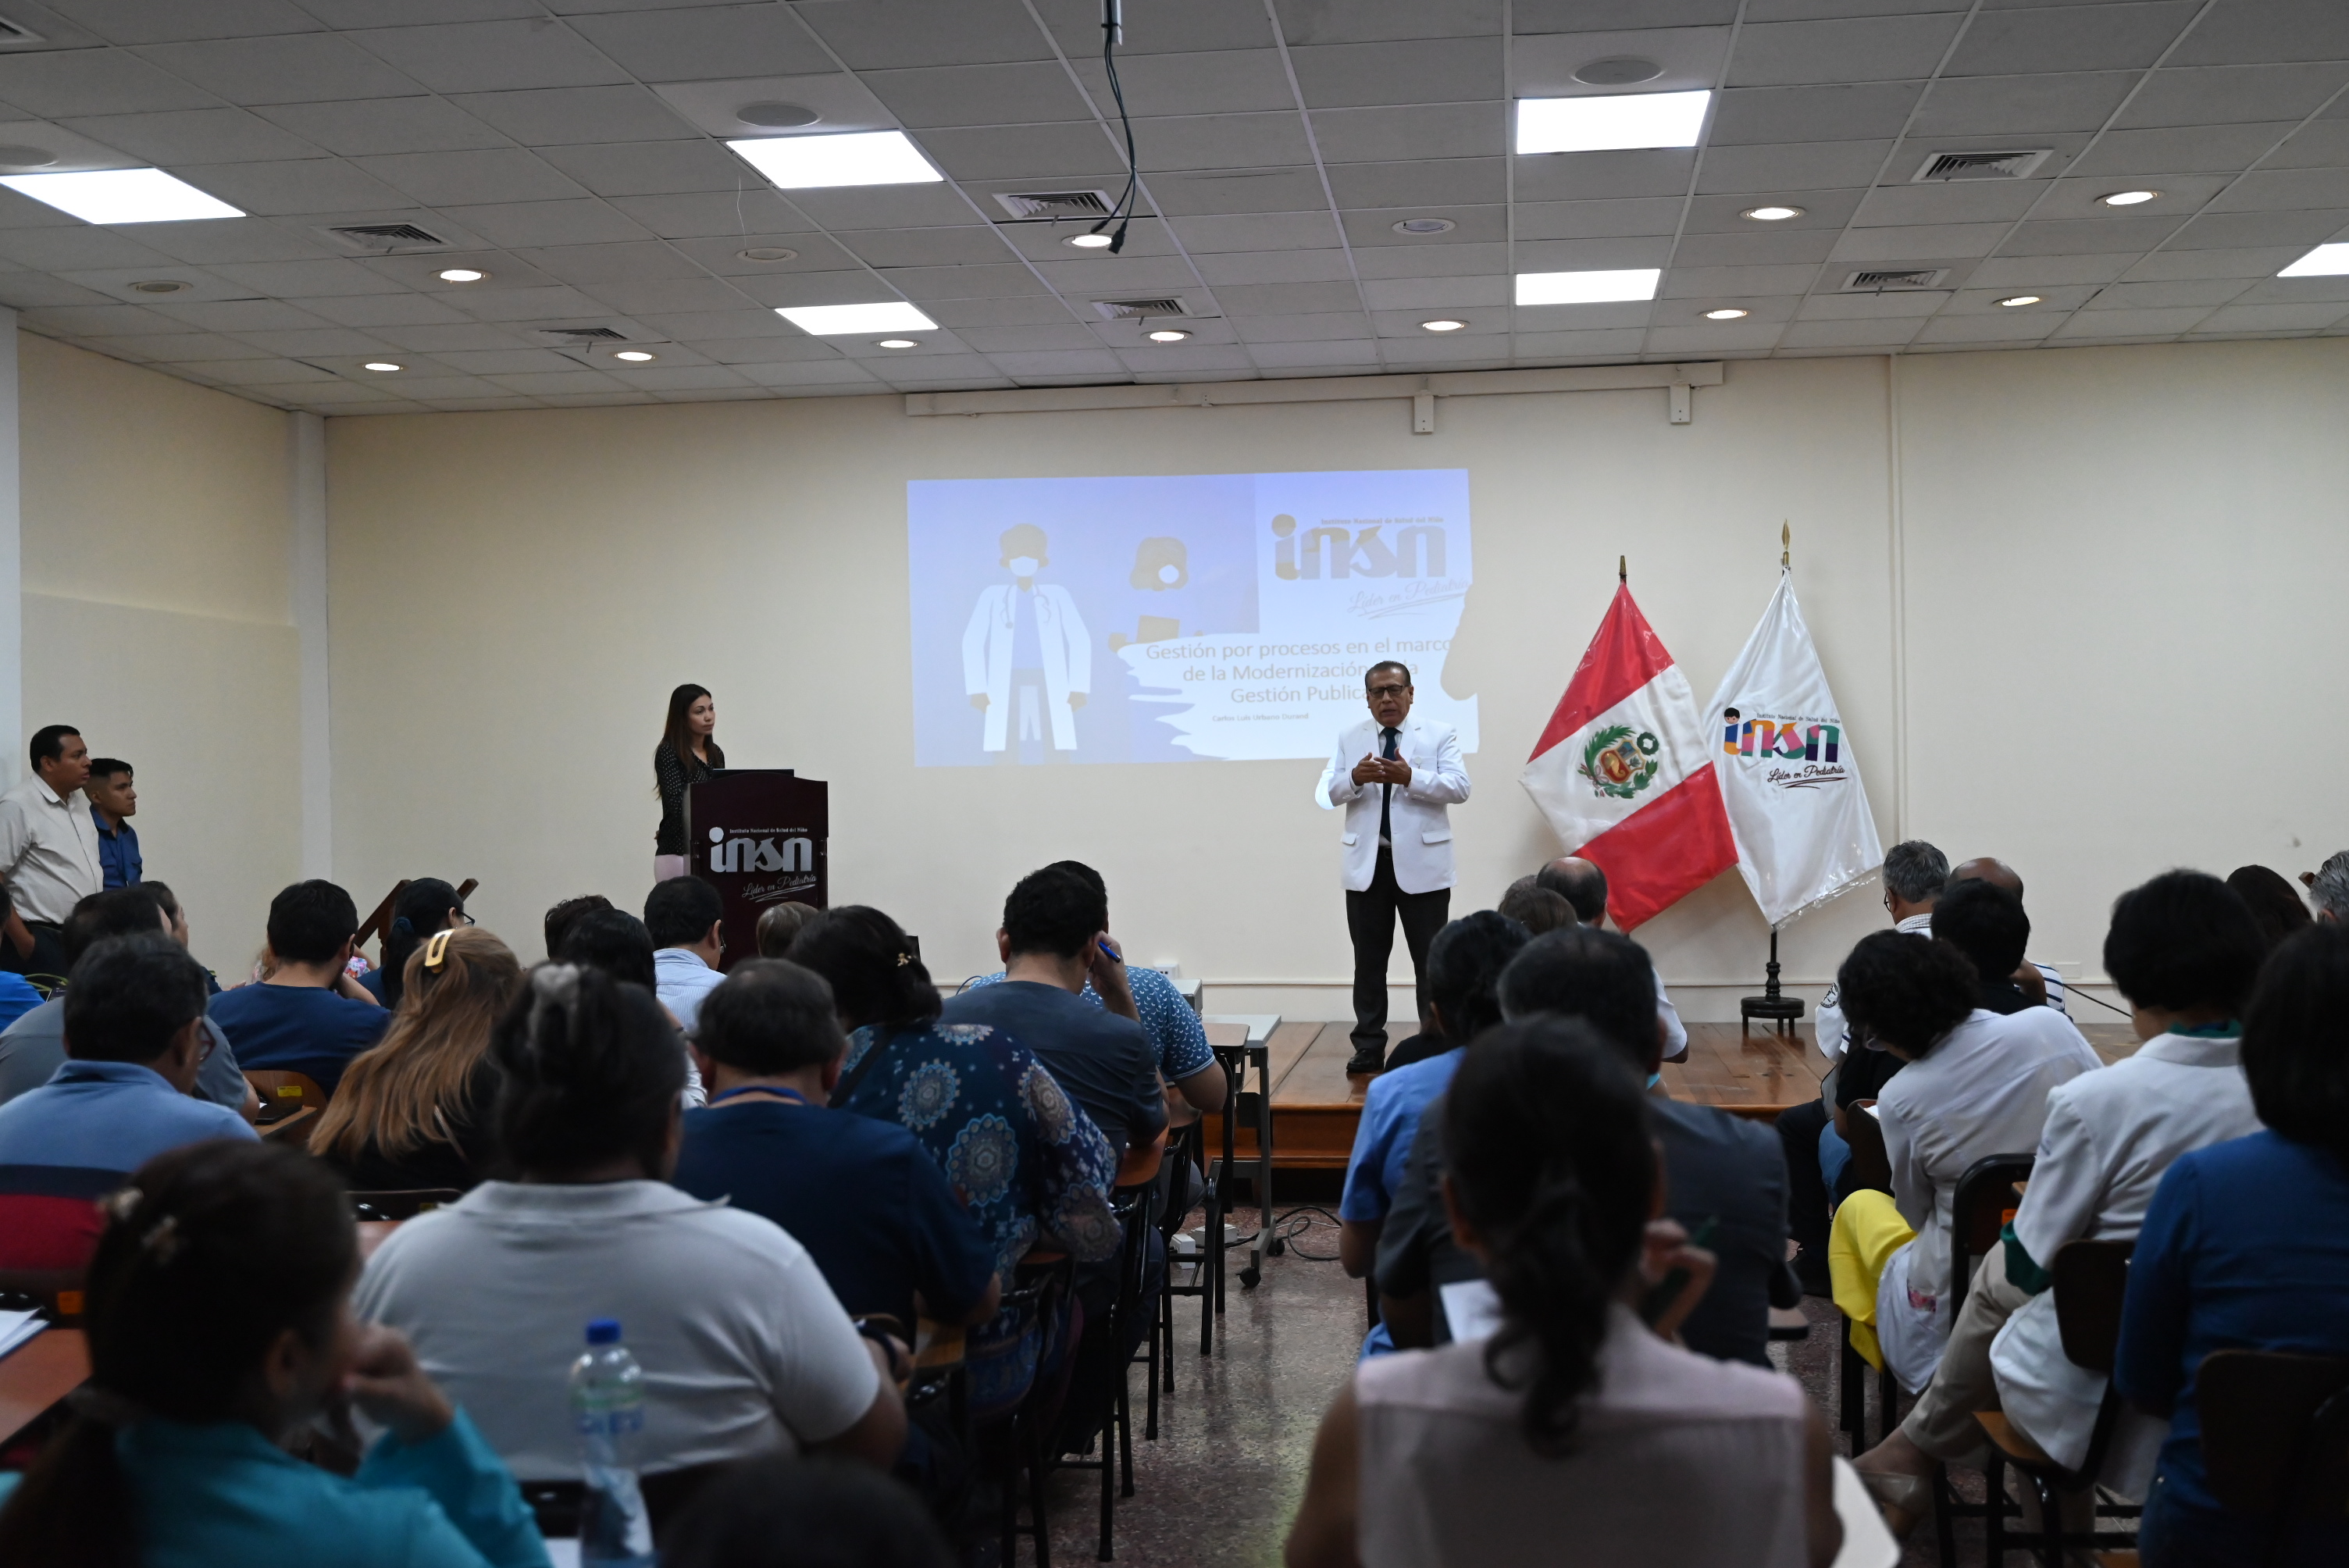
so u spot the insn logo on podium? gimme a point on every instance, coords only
(745, 851)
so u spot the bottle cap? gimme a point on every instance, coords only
(603, 1331)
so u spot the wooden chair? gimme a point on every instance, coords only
(1978, 1212)
(283, 1093)
(1871, 1170)
(1044, 1278)
(2275, 1437)
(55, 1293)
(2091, 1278)
(405, 1204)
(1137, 1208)
(378, 921)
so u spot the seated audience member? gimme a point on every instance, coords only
(220, 1329)
(1975, 1085)
(1536, 908)
(18, 995)
(2039, 982)
(426, 906)
(686, 918)
(862, 1196)
(113, 798)
(559, 919)
(1177, 1039)
(744, 1347)
(1476, 1005)
(780, 924)
(1723, 1177)
(2328, 890)
(1053, 923)
(309, 1016)
(34, 1046)
(1027, 1159)
(2273, 902)
(617, 943)
(787, 1513)
(1576, 1432)
(177, 918)
(134, 1021)
(1986, 923)
(1464, 976)
(414, 1109)
(1584, 887)
(2242, 1249)
(2184, 951)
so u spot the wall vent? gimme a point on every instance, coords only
(580, 337)
(1044, 206)
(1979, 166)
(1134, 309)
(384, 237)
(1885, 282)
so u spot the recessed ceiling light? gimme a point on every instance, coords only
(896, 342)
(842, 320)
(1770, 214)
(1618, 71)
(463, 275)
(777, 116)
(859, 158)
(2012, 300)
(634, 355)
(1168, 334)
(2127, 198)
(768, 253)
(161, 286)
(1615, 121)
(1587, 288)
(378, 365)
(1726, 313)
(120, 196)
(1425, 226)
(1443, 325)
(2324, 261)
(1088, 241)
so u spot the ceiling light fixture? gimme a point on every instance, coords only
(777, 116)
(2012, 300)
(1168, 334)
(844, 320)
(379, 365)
(2324, 261)
(635, 355)
(2127, 198)
(1616, 120)
(858, 157)
(1587, 288)
(1770, 214)
(768, 253)
(1088, 242)
(1726, 313)
(1441, 325)
(161, 286)
(1618, 71)
(896, 342)
(1425, 226)
(121, 196)
(463, 275)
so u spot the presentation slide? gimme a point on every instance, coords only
(1207, 616)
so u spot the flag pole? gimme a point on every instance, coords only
(1786, 545)
(1623, 569)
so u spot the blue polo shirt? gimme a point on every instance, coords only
(297, 1028)
(118, 851)
(1176, 1033)
(1390, 1113)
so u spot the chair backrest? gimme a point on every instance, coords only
(55, 1293)
(2091, 1278)
(1142, 1161)
(2275, 1431)
(283, 1093)
(403, 1204)
(1984, 1203)
(1871, 1167)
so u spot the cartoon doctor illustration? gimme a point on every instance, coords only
(1027, 644)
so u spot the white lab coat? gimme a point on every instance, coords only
(1422, 829)
(987, 658)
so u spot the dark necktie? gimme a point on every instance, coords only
(1386, 791)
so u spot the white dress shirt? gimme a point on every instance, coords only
(48, 850)
(1832, 1030)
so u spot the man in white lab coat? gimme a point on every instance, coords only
(1395, 776)
(1026, 649)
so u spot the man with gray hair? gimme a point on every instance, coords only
(1915, 873)
(2328, 890)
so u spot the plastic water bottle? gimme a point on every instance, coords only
(607, 1409)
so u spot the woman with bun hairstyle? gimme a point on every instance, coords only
(689, 752)
(426, 906)
(1576, 1432)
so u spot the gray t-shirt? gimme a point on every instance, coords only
(34, 1047)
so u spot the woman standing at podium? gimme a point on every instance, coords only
(687, 753)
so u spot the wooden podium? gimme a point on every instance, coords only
(757, 835)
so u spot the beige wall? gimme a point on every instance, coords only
(2105, 557)
(157, 533)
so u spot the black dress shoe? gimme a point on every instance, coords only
(1366, 1059)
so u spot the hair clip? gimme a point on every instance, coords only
(437, 948)
(163, 1239)
(121, 1205)
(903, 959)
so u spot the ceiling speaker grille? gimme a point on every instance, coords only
(1131, 309)
(1980, 165)
(1883, 281)
(1034, 206)
(387, 236)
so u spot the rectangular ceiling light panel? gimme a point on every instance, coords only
(2324, 261)
(840, 320)
(120, 196)
(1587, 288)
(1610, 121)
(856, 158)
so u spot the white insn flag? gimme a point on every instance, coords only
(1788, 774)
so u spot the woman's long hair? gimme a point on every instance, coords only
(423, 908)
(401, 1093)
(869, 960)
(210, 1253)
(1546, 1132)
(678, 733)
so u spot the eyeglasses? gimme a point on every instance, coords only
(460, 917)
(1388, 691)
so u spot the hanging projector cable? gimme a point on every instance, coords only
(1113, 35)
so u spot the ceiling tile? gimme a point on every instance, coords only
(301, 67)
(2094, 38)
(1448, 260)
(1197, 25)
(1270, 299)
(1745, 116)
(2134, 322)
(439, 338)
(638, 260)
(1068, 361)
(743, 214)
(2227, 231)
(1598, 220)
(1802, 166)
(682, 295)
(987, 339)
(2184, 149)
(1307, 22)
(2208, 95)
(1220, 142)
(1421, 293)
(30, 291)
(285, 279)
(2309, 317)
(1374, 228)
(1037, 310)
(1820, 209)
(250, 239)
(79, 247)
(552, 117)
(679, 377)
(177, 345)
(297, 185)
(1919, 242)
(1341, 354)
(465, 179)
(2282, 189)
(2207, 293)
(159, 21)
(507, 361)
(1421, 70)
(2247, 264)
(483, 57)
(1275, 267)
(2001, 109)
(883, 207)
(1076, 149)
(970, 244)
(1713, 337)
(783, 344)
(546, 303)
(1204, 235)
(241, 316)
(1578, 176)
(1917, 303)
(528, 224)
(1850, 49)
(2040, 272)
(2271, 30)
(1544, 65)
(649, 168)
(829, 378)
(1949, 201)
(1316, 326)
(1411, 130)
(363, 125)
(1767, 248)
(2085, 236)
(1759, 307)
(1692, 282)
(2007, 326)
(311, 342)
(373, 310)
(1257, 190)
(1604, 255)
(852, 287)
(1117, 276)
(1226, 81)
(543, 383)
(1144, 235)
(102, 321)
(64, 84)
(182, 137)
(1159, 361)
(1871, 331)
(1582, 317)
(1024, 93)
(271, 366)
(908, 33)
(696, 43)
(1619, 342)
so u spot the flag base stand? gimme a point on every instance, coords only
(1772, 1007)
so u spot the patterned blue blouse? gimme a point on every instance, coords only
(1032, 1165)
(1174, 1030)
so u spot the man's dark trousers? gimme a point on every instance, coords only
(1371, 921)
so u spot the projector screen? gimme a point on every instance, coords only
(1171, 619)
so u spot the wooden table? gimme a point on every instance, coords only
(1756, 1074)
(37, 1374)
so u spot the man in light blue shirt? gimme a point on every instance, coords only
(686, 917)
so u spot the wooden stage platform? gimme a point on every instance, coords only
(1316, 1104)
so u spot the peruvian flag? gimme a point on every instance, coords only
(1623, 773)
